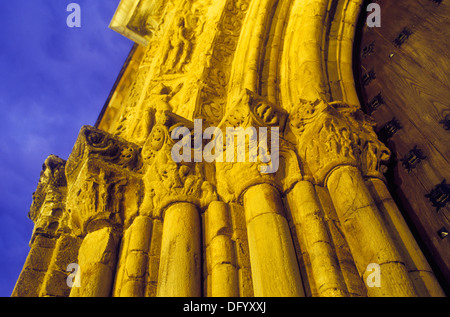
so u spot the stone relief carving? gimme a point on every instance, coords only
(213, 94)
(177, 48)
(333, 134)
(173, 52)
(98, 201)
(253, 111)
(113, 179)
(146, 17)
(131, 101)
(111, 150)
(159, 99)
(180, 42)
(166, 181)
(103, 170)
(94, 143)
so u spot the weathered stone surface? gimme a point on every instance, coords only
(275, 270)
(138, 222)
(97, 262)
(179, 270)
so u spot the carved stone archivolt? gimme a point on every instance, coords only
(213, 97)
(177, 48)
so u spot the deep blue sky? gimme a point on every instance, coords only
(53, 80)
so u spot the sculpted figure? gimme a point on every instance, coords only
(177, 48)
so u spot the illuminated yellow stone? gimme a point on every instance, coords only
(135, 222)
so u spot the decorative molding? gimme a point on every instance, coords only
(213, 94)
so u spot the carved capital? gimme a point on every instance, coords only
(160, 138)
(102, 146)
(259, 155)
(334, 134)
(252, 110)
(103, 174)
(166, 181)
(234, 178)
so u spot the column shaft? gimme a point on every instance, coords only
(366, 233)
(222, 261)
(419, 270)
(180, 264)
(65, 252)
(36, 265)
(133, 271)
(273, 261)
(308, 217)
(97, 264)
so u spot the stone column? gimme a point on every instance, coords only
(46, 211)
(419, 270)
(174, 188)
(97, 264)
(355, 284)
(366, 233)
(180, 263)
(55, 283)
(308, 217)
(224, 270)
(131, 275)
(275, 270)
(338, 144)
(102, 195)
